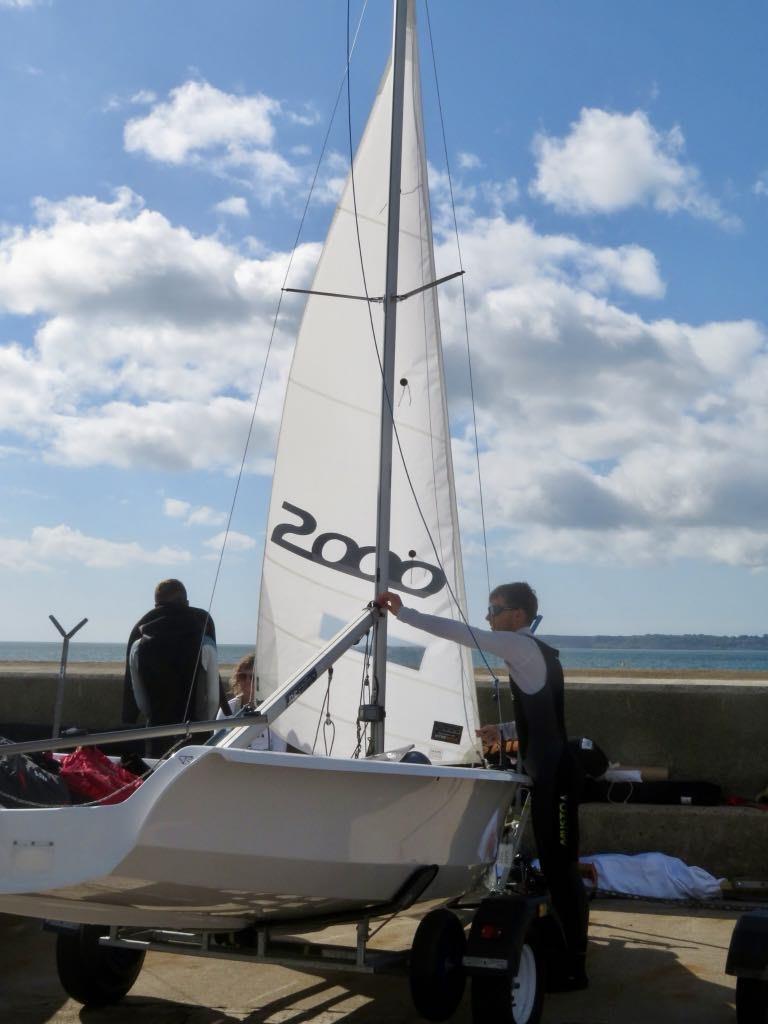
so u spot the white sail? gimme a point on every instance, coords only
(319, 561)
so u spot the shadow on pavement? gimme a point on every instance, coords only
(642, 981)
(29, 985)
(643, 970)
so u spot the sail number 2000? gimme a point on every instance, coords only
(351, 560)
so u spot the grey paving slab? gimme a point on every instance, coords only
(663, 966)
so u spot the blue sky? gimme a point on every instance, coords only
(611, 171)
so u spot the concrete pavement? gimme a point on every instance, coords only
(648, 965)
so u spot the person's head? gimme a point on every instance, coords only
(241, 680)
(512, 606)
(170, 592)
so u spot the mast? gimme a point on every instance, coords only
(388, 363)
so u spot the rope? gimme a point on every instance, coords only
(362, 733)
(326, 705)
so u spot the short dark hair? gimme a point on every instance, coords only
(170, 592)
(518, 595)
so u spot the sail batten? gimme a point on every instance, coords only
(321, 534)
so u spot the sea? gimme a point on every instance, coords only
(604, 658)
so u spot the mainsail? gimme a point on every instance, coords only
(319, 554)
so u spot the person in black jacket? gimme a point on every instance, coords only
(536, 679)
(171, 667)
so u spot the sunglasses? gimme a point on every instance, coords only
(497, 609)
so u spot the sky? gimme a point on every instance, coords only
(609, 164)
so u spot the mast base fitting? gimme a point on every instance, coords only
(371, 713)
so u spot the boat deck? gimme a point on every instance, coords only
(647, 962)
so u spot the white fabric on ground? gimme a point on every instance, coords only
(653, 874)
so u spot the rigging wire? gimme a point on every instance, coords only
(495, 683)
(241, 470)
(463, 291)
(388, 398)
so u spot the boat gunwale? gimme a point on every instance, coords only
(361, 765)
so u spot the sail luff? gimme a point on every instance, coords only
(384, 501)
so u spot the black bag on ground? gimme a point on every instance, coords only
(697, 794)
(24, 783)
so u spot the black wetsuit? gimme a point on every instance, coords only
(540, 721)
(536, 676)
(169, 658)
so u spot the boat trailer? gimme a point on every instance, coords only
(511, 938)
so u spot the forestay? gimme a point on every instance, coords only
(318, 561)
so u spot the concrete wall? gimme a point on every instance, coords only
(708, 730)
(698, 729)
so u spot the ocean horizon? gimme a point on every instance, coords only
(744, 660)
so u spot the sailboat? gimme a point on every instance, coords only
(221, 835)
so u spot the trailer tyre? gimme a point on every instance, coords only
(511, 999)
(751, 1001)
(95, 975)
(436, 971)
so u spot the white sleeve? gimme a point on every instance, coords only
(210, 662)
(519, 650)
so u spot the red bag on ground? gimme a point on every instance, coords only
(91, 776)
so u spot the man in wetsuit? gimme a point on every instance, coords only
(536, 678)
(171, 670)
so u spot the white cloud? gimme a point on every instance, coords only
(469, 200)
(500, 194)
(235, 541)
(142, 98)
(310, 116)
(204, 515)
(61, 544)
(610, 161)
(22, 4)
(199, 117)
(232, 136)
(760, 187)
(469, 161)
(605, 436)
(176, 509)
(173, 435)
(199, 515)
(605, 433)
(150, 340)
(235, 206)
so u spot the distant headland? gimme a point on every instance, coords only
(660, 642)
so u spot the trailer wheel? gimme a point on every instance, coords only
(751, 1001)
(95, 975)
(435, 968)
(511, 999)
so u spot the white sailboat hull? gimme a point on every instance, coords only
(218, 838)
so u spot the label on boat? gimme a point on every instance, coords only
(447, 733)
